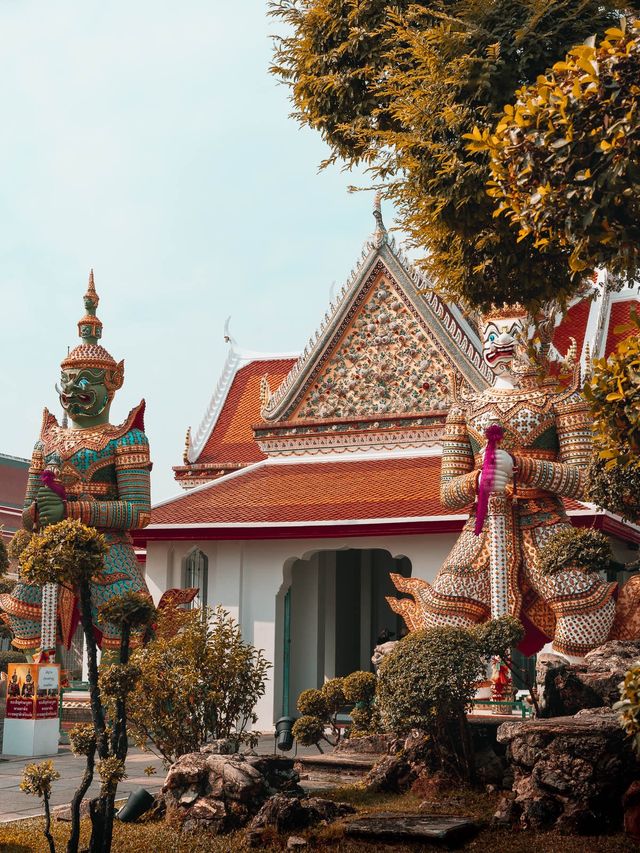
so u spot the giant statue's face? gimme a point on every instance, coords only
(83, 393)
(500, 339)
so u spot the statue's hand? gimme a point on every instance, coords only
(50, 506)
(503, 473)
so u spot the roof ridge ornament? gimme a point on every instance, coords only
(380, 236)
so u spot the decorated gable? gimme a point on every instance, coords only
(384, 362)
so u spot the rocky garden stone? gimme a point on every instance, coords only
(287, 813)
(564, 689)
(570, 773)
(218, 792)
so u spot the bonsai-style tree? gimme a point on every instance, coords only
(565, 156)
(429, 679)
(197, 685)
(130, 611)
(36, 780)
(319, 709)
(70, 553)
(360, 688)
(395, 85)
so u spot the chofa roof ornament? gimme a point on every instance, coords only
(380, 235)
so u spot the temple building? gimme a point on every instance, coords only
(313, 476)
(13, 485)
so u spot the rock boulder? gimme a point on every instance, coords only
(564, 689)
(570, 773)
(286, 813)
(220, 792)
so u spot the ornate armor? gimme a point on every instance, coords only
(547, 432)
(104, 470)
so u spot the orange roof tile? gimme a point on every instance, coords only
(332, 491)
(573, 325)
(619, 315)
(313, 491)
(231, 439)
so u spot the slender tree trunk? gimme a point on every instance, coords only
(97, 711)
(76, 802)
(119, 741)
(96, 806)
(47, 825)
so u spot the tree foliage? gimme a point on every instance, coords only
(68, 552)
(565, 156)
(37, 780)
(429, 679)
(18, 543)
(201, 684)
(629, 705)
(395, 86)
(615, 488)
(614, 395)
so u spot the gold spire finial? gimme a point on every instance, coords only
(91, 296)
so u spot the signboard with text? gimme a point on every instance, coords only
(32, 691)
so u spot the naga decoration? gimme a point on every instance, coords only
(92, 471)
(544, 433)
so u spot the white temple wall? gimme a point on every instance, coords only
(250, 578)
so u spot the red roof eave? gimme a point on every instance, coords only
(374, 527)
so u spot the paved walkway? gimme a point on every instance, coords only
(14, 804)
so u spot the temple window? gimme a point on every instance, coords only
(196, 569)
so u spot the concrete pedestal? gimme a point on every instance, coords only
(31, 737)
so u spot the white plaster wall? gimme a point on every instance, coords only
(246, 576)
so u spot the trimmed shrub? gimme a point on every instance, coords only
(308, 730)
(312, 703)
(199, 685)
(333, 693)
(575, 548)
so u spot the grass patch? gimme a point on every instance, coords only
(27, 837)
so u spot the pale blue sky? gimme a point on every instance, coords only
(147, 139)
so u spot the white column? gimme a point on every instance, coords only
(329, 570)
(365, 609)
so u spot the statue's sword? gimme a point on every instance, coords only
(498, 509)
(497, 506)
(49, 615)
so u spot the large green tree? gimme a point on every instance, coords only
(565, 156)
(394, 86)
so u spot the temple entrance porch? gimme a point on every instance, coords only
(330, 614)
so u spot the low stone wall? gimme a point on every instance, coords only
(570, 773)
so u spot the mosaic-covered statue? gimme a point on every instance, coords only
(541, 459)
(104, 470)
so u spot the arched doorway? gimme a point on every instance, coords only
(331, 613)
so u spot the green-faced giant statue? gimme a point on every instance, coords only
(104, 470)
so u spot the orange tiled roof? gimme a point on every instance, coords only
(619, 315)
(313, 491)
(574, 325)
(231, 439)
(332, 491)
